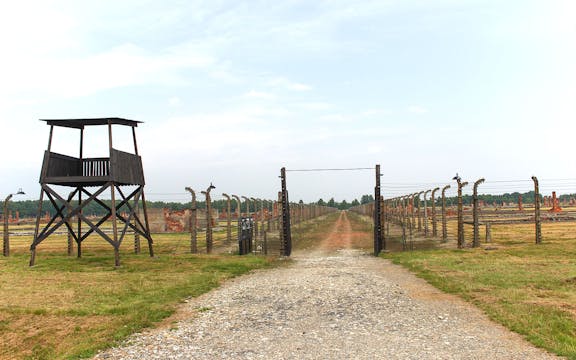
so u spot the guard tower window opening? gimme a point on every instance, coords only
(66, 140)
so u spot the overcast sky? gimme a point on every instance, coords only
(231, 91)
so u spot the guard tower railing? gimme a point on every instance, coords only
(122, 168)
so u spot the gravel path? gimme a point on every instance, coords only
(341, 304)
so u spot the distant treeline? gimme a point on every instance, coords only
(29, 208)
(344, 205)
(527, 198)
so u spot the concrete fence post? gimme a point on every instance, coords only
(413, 216)
(265, 229)
(476, 230)
(418, 209)
(238, 216)
(209, 242)
(269, 217)
(426, 233)
(434, 219)
(228, 219)
(461, 184)
(262, 218)
(255, 231)
(193, 223)
(247, 203)
(538, 228)
(444, 222)
(405, 218)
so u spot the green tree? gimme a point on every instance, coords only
(366, 199)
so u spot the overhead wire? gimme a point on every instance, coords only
(333, 169)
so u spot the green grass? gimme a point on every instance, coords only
(530, 289)
(67, 308)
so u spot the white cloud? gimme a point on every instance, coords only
(174, 101)
(123, 65)
(298, 87)
(335, 118)
(315, 106)
(285, 83)
(34, 28)
(259, 95)
(417, 109)
(375, 112)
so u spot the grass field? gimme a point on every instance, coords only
(65, 307)
(69, 308)
(531, 289)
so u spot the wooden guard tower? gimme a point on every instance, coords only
(90, 178)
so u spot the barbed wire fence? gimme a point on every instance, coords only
(191, 227)
(499, 211)
(492, 211)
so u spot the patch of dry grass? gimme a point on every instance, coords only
(529, 288)
(66, 307)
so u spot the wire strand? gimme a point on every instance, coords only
(335, 169)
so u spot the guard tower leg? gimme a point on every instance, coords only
(116, 256)
(147, 224)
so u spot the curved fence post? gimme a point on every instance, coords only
(434, 220)
(461, 184)
(238, 217)
(476, 239)
(426, 213)
(255, 232)
(193, 223)
(418, 210)
(238, 206)
(444, 223)
(247, 203)
(228, 219)
(209, 243)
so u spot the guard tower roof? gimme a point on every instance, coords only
(80, 123)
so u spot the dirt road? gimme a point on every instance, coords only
(332, 303)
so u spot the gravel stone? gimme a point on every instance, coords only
(343, 305)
